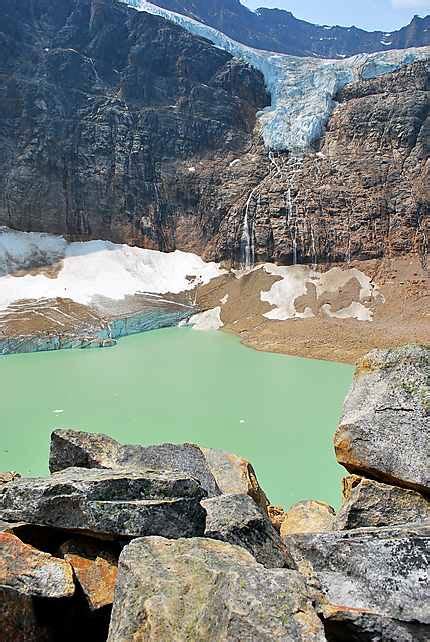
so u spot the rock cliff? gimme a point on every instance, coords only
(119, 125)
(107, 114)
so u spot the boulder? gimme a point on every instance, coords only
(371, 503)
(30, 572)
(5, 478)
(237, 519)
(218, 472)
(234, 475)
(120, 503)
(308, 517)
(369, 579)
(95, 567)
(202, 589)
(385, 428)
(276, 515)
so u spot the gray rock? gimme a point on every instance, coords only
(371, 503)
(369, 579)
(237, 519)
(218, 472)
(76, 449)
(125, 503)
(205, 590)
(385, 429)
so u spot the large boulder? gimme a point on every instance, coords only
(369, 579)
(121, 503)
(217, 471)
(385, 429)
(237, 519)
(201, 589)
(371, 503)
(31, 572)
(308, 517)
(95, 566)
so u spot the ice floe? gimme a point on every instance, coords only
(302, 89)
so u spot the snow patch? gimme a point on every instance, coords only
(224, 299)
(92, 269)
(300, 280)
(208, 320)
(302, 89)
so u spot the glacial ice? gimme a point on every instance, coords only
(87, 270)
(302, 89)
(207, 320)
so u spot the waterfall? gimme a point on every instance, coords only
(247, 242)
(313, 247)
(278, 170)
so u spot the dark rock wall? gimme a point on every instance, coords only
(117, 124)
(363, 195)
(104, 113)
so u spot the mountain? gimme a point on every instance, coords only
(120, 125)
(106, 115)
(278, 30)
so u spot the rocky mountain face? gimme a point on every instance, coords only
(105, 113)
(118, 537)
(117, 124)
(364, 194)
(278, 30)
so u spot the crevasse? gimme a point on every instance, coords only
(302, 89)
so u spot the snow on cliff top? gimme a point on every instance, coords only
(83, 271)
(302, 89)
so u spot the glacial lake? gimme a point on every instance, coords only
(180, 385)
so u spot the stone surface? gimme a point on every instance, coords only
(276, 515)
(237, 519)
(7, 477)
(234, 474)
(129, 116)
(217, 471)
(350, 200)
(30, 572)
(308, 517)
(385, 428)
(125, 503)
(371, 503)
(179, 134)
(19, 618)
(201, 589)
(369, 578)
(95, 568)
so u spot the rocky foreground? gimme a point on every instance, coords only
(179, 542)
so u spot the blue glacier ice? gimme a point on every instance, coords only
(302, 89)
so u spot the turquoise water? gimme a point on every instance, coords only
(180, 385)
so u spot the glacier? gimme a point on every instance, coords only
(87, 270)
(302, 89)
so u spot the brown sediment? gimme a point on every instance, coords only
(403, 318)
